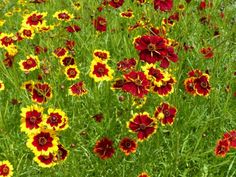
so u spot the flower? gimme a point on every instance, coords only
(126, 65)
(2, 86)
(143, 174)
(116, 3)
(27, 32)
(73, 28)
(67, 61)
(34, 19)
(165, 88)
(45, 161)
(72, 72)
(54, 119)
(101, 55)
(169, 56)
(127, 14)
(6, 169)
(28, 85)
(195, 73)
(136, 83)
(128, 146)
(63, 16)
(143, 125)
(231, 137)
(76, 5)
(165, 113)
(151, 48)
(100, 71)
(140, 2)
(222, 147)
(30, 64)
(62, 153)
(189, 86)
(163, 5)
(202, 86)
(100, 24)
(43, 142)
(77, 89)
(41, 92)
(104, 148)
(6, 40)
(98, 117)
(207, 52)
(31, 118)
(60, 52)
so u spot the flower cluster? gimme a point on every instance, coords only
(42, 130)
(223, 145)
(6, 169)
(197, 83)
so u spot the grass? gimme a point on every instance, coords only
(185, 149)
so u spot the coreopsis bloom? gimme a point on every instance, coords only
(222, 147)
(63, 16)
(140, 2)
(118, 84)
(189, 86)
(8, 60)
(151, 48)
(116, 3)
(100, 24)
(43, 142)
(70, 44)
(143, 125)
(62, 153)
(127, 14)
(202, 85)
(128, 146)
(136, 83)
(126, 65)
(231, 137)
(45, 161)
(163, 5)
(31, 118)
(6, 169)
(100, 71)
(28, 86)
(72, 72)
(54, 119)
(67, 61)
(64, 125)
(34, 19)
(102, 55)
(143, 174)
(30, 64)
(41, 92)
(27, 33)
(165, 88)
(76, 5)
(170, 56)
(207, 52)
(2, 86)
(165, 113)
(60, 52)
(77, 89)
(6, 40)
(38, 50)
(73, 28)
(104, 148)
(195, 73)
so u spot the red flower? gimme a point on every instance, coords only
(126, 64)
(195, 73)
(136, 83)
(39, 49)
(231, 137)
(128, 146)
(98, 117)
(202, 86)
(73, 28)
(100, 24)
(202, 5)
(169, 56)
(60, 52)
(70, 44)
(67, 61)
(222, 147)
(118, 84)
(62, 153)
(8, 60)
(207, 52)
(163, 5)
(165, 88)
(151, 48)
(77, 89)
(104, 148)
(189, 85)
(143, 174)
(6, 40)
(35, 19)
(41, 92)
(143, 125)
(116, 3)
(165, 113)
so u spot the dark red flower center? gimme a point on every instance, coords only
(142, 127)
(42, 141)
(166, 113)
(5, 170)
(7, 40)
(34, 18)
(138, 82)
(27, 32)
(33, 119)
(29, 62)
(101, 70)
(63, 16)
(151, 47)
(53, 119)
(127, 144)
(102, 22)
(204, 84)
(72, 72)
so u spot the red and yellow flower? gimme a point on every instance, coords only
(127, 14)
(31, 118)
(116, 3)
(202, 85)
(34, 19)
(28, 86)
(6, 40)
(41, 92)
(163, 5)
(101, 55)
(30, 64)
(45, 161)
(77, 89)
(62, 153)
(100, 24)
(27, 33)
(104, 148)
(63, 15)
(165, 113)
(72, 72)
(143, 174)
(43, 142)
(143, 125)
(100, 71)
(60, 52)
(6, 169)
(222, 147)
(128, 146)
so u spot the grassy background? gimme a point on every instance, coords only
(184, 149)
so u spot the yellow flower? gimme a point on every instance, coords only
(6, 169)
(30, 64)
(27, 32)
(2, 86)
(34, 20)
(63, 15)
(101, 55)
(6, 40)
(72, 72)
(76, 5)
(45, 161)
(12, 50)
